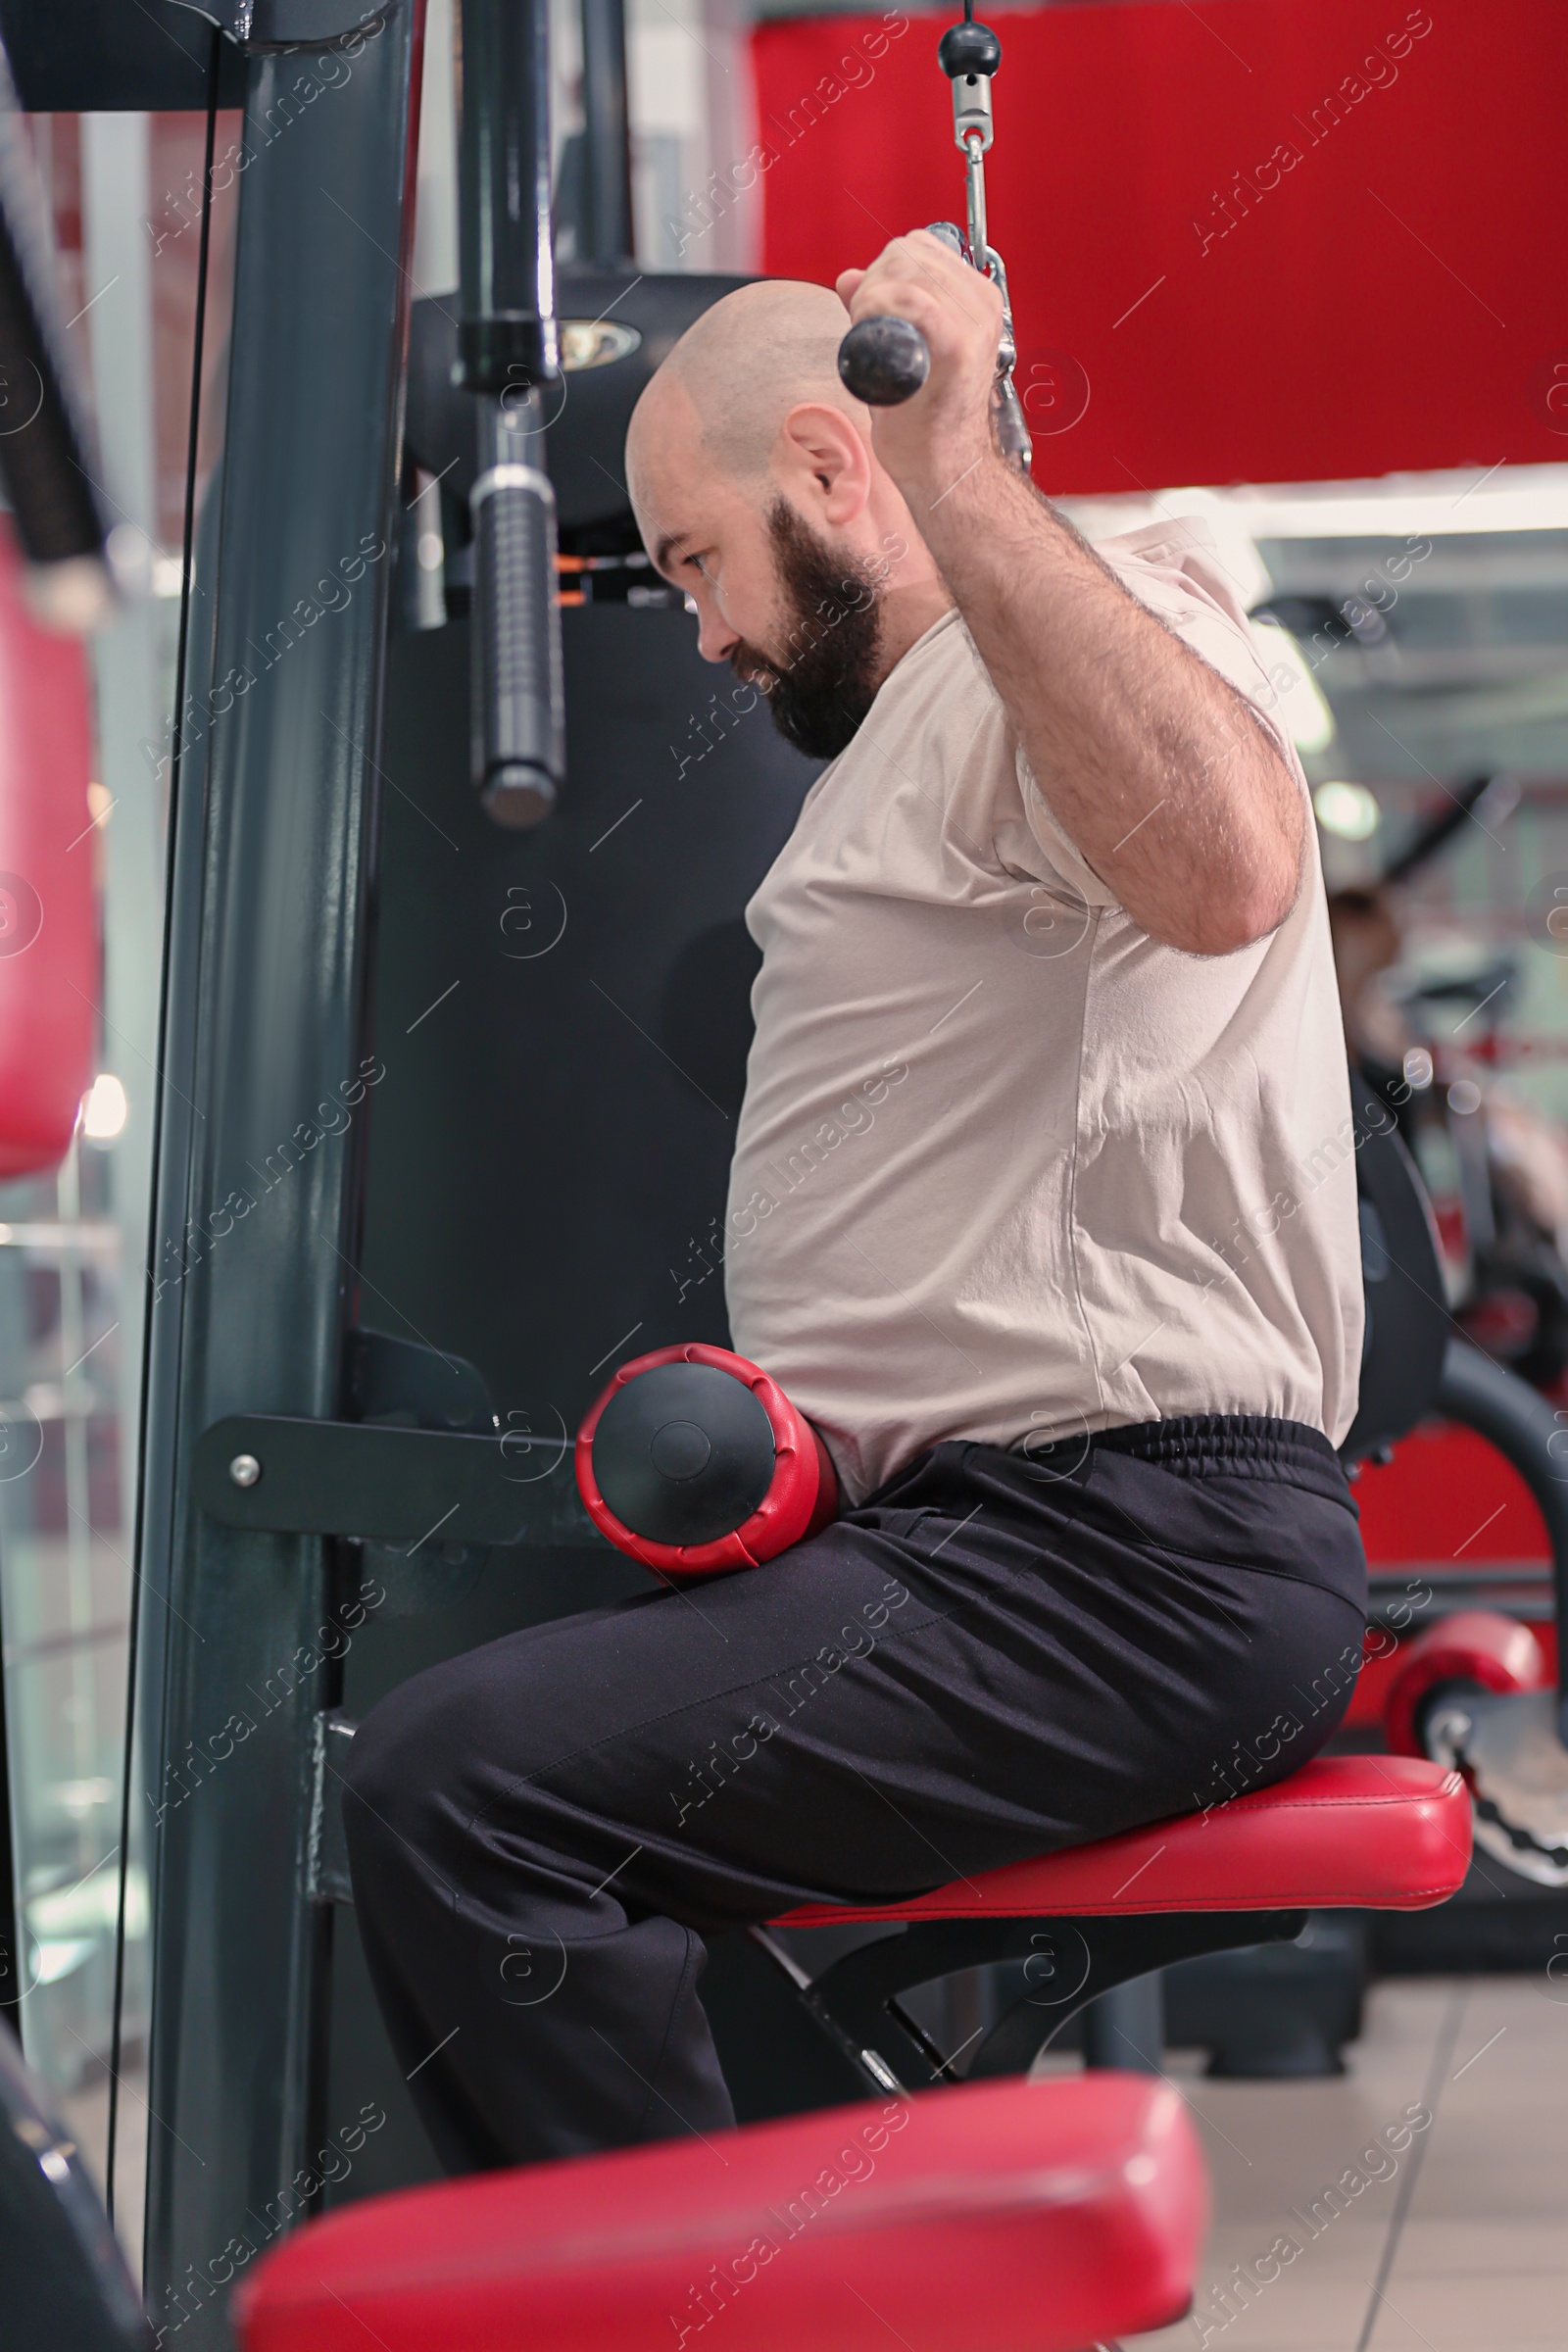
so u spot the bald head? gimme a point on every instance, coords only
(728, 384)
(758, 490)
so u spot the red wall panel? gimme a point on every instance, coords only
(1449, 1502)
(1395, 297)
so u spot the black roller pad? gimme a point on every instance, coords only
(683, 1454)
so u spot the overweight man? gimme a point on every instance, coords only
(1041, 1210)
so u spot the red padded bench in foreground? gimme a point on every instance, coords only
(999, 2217)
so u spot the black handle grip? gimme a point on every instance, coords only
(884, 362)
(519, 722)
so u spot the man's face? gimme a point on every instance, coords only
(820, 670)
(790, 610)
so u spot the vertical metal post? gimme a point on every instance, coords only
(507, 348)
(264, 1091)
(606, 132)
(507, 328)
(1125, 2028)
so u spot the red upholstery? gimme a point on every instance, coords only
(48, 914)
(1473, 1646)
(1385, 1833)
(999, 2217)
(802, 1494)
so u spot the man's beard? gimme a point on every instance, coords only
(825, 679)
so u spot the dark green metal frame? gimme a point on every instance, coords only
(265, 1089)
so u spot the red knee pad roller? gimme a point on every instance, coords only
(693, 1460)
(1479, 1646)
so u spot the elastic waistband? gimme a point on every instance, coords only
(1230, 1445)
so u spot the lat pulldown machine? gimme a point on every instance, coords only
(884, 361)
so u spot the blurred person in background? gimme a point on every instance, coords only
(1495, 1165)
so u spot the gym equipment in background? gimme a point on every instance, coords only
(884, 361)
(1286, 2010)
(55, 584)
(1472, 1651)
(1499, 1721)
(46, 458)
(694, 1461)
(508, 354)
(1407, 1322)
(1476, 1693)
(49, 947)
(1494, 1166)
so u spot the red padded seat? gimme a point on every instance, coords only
(1379, 1833)
(1013, 2215)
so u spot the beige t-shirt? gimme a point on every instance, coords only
(1007, 1168)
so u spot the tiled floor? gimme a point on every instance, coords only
(1458, 2242)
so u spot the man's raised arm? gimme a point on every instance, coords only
(1156, 767)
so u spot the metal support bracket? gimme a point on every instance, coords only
(407, 1487)
(1058, 1967)
(326, 1869)
(289, 23)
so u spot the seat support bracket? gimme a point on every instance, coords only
(1055, 1968)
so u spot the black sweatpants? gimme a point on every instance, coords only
(993, 1656)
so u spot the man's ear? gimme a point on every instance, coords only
(826, 460)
